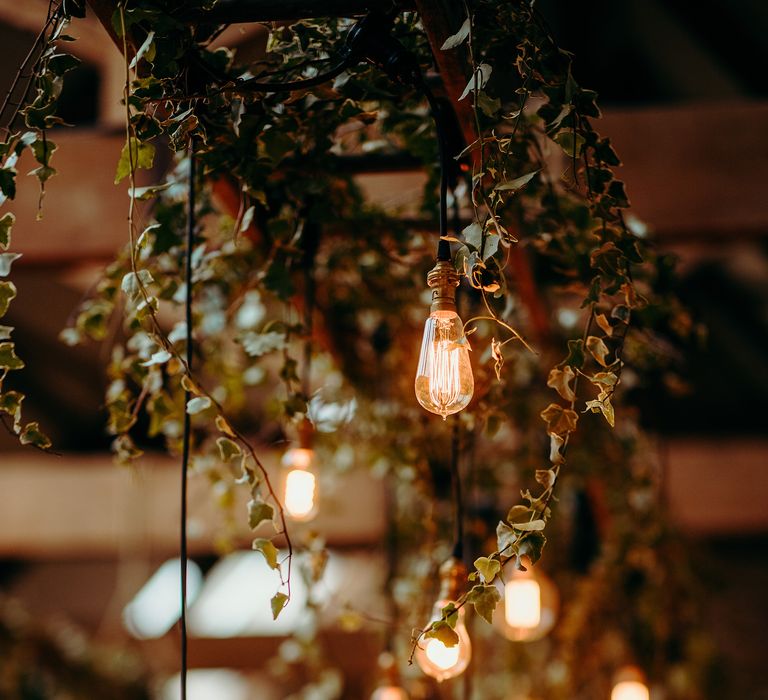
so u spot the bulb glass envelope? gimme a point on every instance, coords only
(299, 484)
(444, 382)
(440, 661)
(529, 606)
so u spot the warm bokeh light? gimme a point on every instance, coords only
(629, 684)
(522, 603)
(157, 605)
(630, 690)
(389, 692)
(443, 662)
(300, 494)
(529, 607)
(300, 484)
(440, 655)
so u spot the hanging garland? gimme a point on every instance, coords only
(540, 180)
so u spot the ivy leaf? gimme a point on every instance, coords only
(7, 293)
(144, 193)
(516, 184)
(473, 235)
(518, 513)
(559, 420)
(6, 260)
(228, 449)
(443, 632)
(604, 324)
(458, 38)
(481, 77)
(603, 406)
(43, 150)
(142, 154)
(575, 356)
(491, 245)
(146, 50)
(606, 381)
(8, 358)
(570, 143)
(268, 550)
(488, 568)
(6, 223)
(224, 426)
(506, 537)
(5, 332)
(132, 283)
(10, 403)
(198, 405)
(597, 349)
(546, 477)
(258, 512)
(532, 546)
(560, 380)
(555, 445)
(530, 525)
(32, 435)
(158, 358)
(258, 344)
(278, 602)
(485, 599)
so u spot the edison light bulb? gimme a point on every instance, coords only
(389, 692)
(530, 603)
(630, 685)
(440, 661)
(433, 657)
(444, 382)
(300, 484)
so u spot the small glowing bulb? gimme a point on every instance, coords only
(443, 662)
(522, 603)
(389, 692)
(444, 381)
(630, 685)
(299, 493)
(530, 606)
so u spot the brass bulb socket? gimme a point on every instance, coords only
(453, 578)
(443, 280)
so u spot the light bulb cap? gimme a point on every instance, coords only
(453, 577)
(443, 280)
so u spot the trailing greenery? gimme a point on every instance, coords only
(541, 195)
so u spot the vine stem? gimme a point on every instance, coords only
(162, 339)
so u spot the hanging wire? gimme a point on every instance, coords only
(311, 237)
(443, 246)
(458, 500)
(187, 418)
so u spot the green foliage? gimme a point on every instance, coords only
(278, 154)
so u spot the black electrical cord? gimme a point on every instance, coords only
(458, 500)
(443, 246)
(186, 440)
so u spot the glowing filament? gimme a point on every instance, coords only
(444, 382)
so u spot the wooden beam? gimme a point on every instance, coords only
(86, 507)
